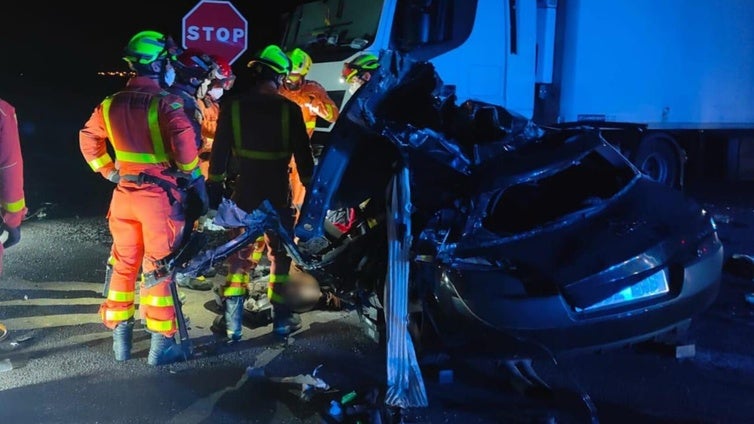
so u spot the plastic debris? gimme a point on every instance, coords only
(309, 383)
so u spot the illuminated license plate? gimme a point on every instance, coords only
(654, 285)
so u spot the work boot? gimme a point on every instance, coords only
(123, 340)
(284, 321)
(234, 317)
(164, 350)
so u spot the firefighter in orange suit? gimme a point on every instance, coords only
(155, 148)
(261, 129)
(314, 102)
(12, 203)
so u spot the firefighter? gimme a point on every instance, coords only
(12, 202)
(314, 102)
(155, 147)
(358, 71)
(195, 70)
(261, 129)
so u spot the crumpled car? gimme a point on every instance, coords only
(524, 239)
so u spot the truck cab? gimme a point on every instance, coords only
(666, 81)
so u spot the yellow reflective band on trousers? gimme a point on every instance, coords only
(272, 294)
(14, 206)
(158, 155)
(239, 151)
(159, 301)
(236, 285)
(119, 296)
(119, 315)
(188, 167)
(101, 161)
(160, 326)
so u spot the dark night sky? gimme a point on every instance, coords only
(55, 37)
(51, 53)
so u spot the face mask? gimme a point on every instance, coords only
(169, 76)
(216, 93)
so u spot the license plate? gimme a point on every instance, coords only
(654, 285)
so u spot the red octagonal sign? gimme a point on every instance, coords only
(216, 27)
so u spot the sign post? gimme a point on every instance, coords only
(216, 27)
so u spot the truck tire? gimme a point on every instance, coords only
(658, 156)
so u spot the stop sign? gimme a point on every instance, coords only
(216, 27)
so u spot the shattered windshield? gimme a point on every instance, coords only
(332, 30)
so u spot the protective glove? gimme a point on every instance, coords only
(215, 192)
(10, 236)
(113, 176)
(197, 202)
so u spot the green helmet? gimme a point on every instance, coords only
(301, 61)
(359, 65)
(147, 47)
(273, 58)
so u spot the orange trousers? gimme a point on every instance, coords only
(145, 228)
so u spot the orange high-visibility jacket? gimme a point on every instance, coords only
(314, 101)
(12, 200)
(141, 142)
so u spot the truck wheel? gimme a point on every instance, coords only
(657, 157)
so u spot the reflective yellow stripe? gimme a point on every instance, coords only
(239, 151)
(274, 297)
(15, 206)
(329, 115)
(311, 124)
(158, 154)
(119, 315)
(99, 162)
(186, 167)
(256, 256)
(234, 291)
(160, 326)
(106, 116)
(111, 260)
(237, 278)
(278, 278)
(120, 296)
(159, 301)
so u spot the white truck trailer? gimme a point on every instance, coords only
(674, 77)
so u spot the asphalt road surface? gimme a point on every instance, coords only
(56, 364)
